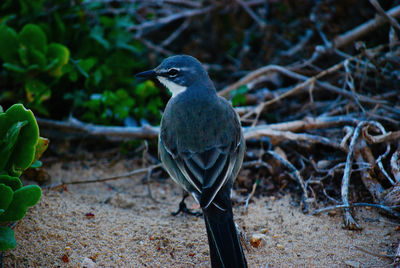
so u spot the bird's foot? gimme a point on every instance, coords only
(183, 208)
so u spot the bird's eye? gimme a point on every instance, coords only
(173, 72)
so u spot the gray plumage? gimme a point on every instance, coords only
(201, 146)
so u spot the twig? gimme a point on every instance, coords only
(369, 26)
(397, 256)
(251, 194)
(382, 207)
(300, 45)
(167, 20)
(389, 136)
(348, 133)
(259, 21)
(350, 83)
(379, 159)
(313, 123)
(278, 131)
(145, 132)
(349, 220)
(176, 33)
(296, 175)
(374, 254)
(149, 171)
(154, 47)
(112, 178)
(307, 80)
(183, 2)
(395, 164)
(382, 12)
(364, 155)
(256, 163)
(277, 136)
(253, 75)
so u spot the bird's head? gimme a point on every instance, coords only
(177, 73)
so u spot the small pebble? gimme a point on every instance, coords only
(257, 240)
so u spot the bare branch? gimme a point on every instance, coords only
(382, 12)
(167, 20)
(296, 175)
(364, 28)
(245, 6)
(145, 132)
(112, 178)
(349, 220)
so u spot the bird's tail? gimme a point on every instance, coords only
(223, 239)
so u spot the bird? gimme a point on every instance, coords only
(201, 146)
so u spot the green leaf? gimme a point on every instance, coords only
(36, 91)
(98, 35)
(36, 164)
(36, 57)
(7, 238)
(24, 55)
(6, 196)
(41, 146)
(238, 96)
(32, 36)
(8, 44)
(24, 197)
(14, 67)
(9, 141)
(13, 182)
(25, 147)
(60, 52)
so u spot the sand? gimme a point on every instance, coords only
(117, 224)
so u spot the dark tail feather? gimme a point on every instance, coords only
(225, 248)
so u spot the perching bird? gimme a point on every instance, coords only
(201, 146)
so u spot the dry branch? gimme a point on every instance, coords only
(349, 220)
(382, 12)
(363, 29)
(307, 81)
(166, 20)
(112, 178)
(296, 176)
(277, 136)
(74, 125)
(386, 137)
(395, 164)
(276, 132)
(363, 154)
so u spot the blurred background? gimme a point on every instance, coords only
(78, 58)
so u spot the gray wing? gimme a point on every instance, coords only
(203, 174)
(205, 156)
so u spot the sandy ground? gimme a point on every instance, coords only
(117, 224)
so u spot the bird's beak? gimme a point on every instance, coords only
(147, 74)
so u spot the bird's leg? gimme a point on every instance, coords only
(183, 208)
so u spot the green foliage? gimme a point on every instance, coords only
(20, 147)
(29, 58)
(7, 238)
(19, 136)
(23, 198)
(108, 107)
(148, 96)
(238, 96)
(75, 57)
